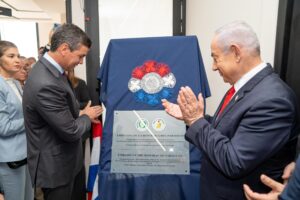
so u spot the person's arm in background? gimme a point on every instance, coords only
(288, 171)
(279, 191)
(292, 189)
(276, 187)
(1, 194)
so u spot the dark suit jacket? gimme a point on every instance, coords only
(53, 127)
(255, 134)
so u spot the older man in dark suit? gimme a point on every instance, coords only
(254, 129)
(54, 123)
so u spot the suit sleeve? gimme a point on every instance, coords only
(208, 118)
(263, 130)
(8, 125)
(53, 107)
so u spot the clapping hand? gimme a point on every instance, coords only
(189, 108)
(192, 108)
(172, 109)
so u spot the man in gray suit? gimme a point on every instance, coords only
(54, 124)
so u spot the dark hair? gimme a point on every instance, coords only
(70, 34)
(73, 79)
(4, 45)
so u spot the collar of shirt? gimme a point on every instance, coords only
(246, 77)
(54, 63)
(8, 79)
(13, 85)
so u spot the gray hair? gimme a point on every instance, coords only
(70, 34)
(240, 33)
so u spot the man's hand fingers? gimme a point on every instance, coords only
(88, 104)
(165, 103)
(288, 171)
(276, 186)
(172, 109)
(189, 95)
(181, 96)
(247, 192)
(250, 195)
(98, 110)
(95, 121)
(201, 100)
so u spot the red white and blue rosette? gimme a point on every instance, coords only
(152, 82)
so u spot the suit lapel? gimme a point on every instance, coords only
(64, 82)
(242, 92)
(50, 67)
(218, 110)
(57, 74)
(67, 82)
(19, 87)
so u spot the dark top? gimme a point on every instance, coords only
(82, 93)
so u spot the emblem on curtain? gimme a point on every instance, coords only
(152, 82)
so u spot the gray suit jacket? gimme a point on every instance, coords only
(12, 131)
(53, 127)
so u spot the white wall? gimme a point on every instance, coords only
(205, 16)
(80, 70)
(131, 19)
(22, 34)
(78, 19)
(44, 30)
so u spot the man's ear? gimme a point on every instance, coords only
(235, 49)
(63, 49)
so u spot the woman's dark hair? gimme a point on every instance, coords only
(73, 79)
(4, 45)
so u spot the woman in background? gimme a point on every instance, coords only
(31, 61)
(83, 97)
(14, 176)
(80, 89)
(22, 74)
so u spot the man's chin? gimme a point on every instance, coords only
(225, 81)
